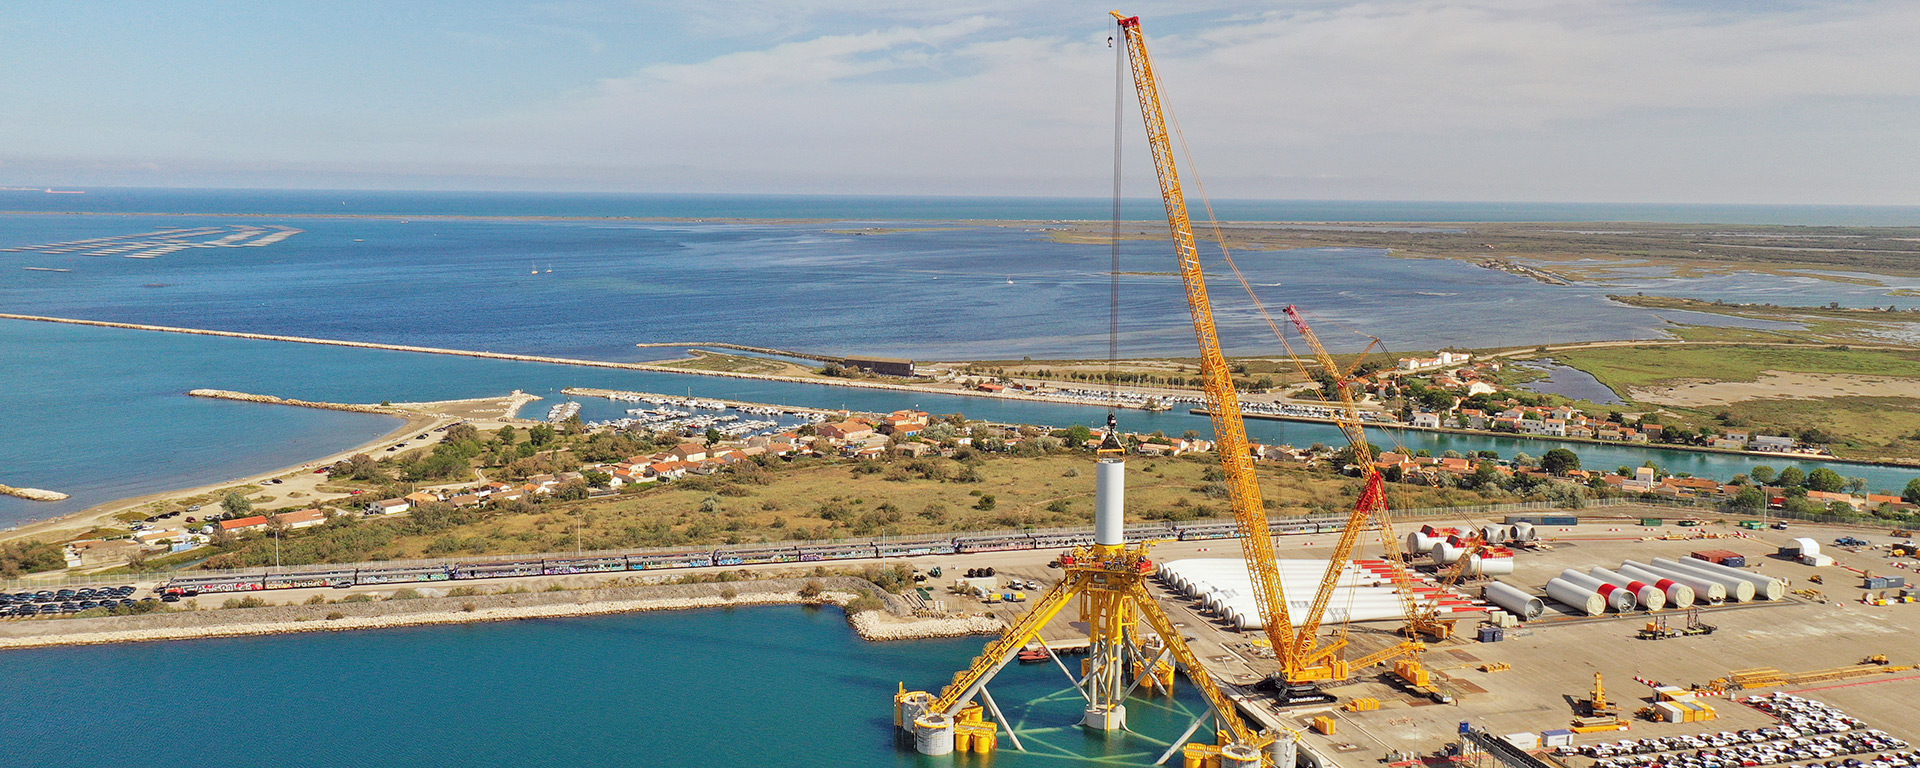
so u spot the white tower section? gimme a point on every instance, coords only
(1109, 503)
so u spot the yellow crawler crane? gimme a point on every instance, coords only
(1304, 659)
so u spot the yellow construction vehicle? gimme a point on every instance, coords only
(1594, 713)
(1596, 705)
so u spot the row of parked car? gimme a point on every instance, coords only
(48, 602)
(1809, 732)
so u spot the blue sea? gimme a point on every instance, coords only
(771, 686)
(940, 291)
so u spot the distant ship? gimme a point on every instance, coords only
(51, 191)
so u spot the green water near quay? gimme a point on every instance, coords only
(763, 686)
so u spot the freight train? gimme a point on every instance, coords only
(344, 577)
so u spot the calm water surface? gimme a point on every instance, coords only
(772, 686)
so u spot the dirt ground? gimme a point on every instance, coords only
(1778, 385)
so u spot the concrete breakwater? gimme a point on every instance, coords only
(32, 494)
(742, 348)
(893, 623)
(222, 394)
(1039, 398)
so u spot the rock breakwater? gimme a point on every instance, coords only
(222, 394)
(33, 494)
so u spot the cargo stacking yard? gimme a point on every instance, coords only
(1525, 673)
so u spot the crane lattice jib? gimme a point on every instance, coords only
(1223, 403)
(1369, 509)
(967, 681)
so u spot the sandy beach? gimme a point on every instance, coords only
(417, 418)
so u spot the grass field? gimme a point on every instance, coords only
(1866, 427)
(1624, 367)
(825, 500)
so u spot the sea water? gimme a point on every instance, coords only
(940, 291)
(764, 686)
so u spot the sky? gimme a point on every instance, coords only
(1755, 101)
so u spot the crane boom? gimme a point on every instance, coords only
(1223, 403)
(1371, 507)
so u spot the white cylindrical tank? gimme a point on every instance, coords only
(1109, 503)
(1679, 595)
(1618, 598)
(1523, 533)
(1704, 589)
(1764, 588)
(1496, 534)
(1651, 597)
(1576, 597)
(1483, 565)
(933, 734)
(1514, 599)
(1446, 553)
(1804, 547)
(1419, 543)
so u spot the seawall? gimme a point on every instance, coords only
(894, 623)
(554, 360)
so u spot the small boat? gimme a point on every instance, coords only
(1034, 656)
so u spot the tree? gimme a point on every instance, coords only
(713, 437)
(236, 504)
(1792, 476)
(1824, 479)
(1763, 474)
(986, 502)
(505, 435)
(1560, 461)
(1078, 435)
(1749, 499)
(1912, 494)
(596, 478)
(541, 434)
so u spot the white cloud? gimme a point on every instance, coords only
(1428, 99)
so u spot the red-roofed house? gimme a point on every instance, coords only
(305, 518)
(244, 523)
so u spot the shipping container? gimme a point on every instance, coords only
(1650, 522)
(1721, 557)
(1886, 582)
(1543, 519)
(1492, 634)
